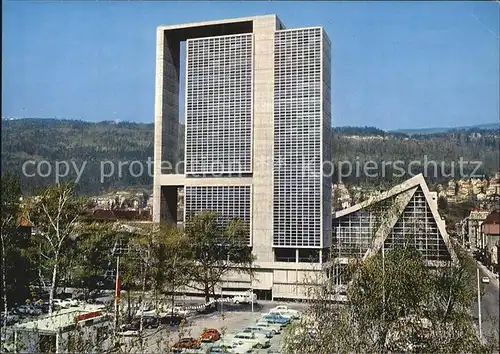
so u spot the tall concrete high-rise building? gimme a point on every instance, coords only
(257, 134)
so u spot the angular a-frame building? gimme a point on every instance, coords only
(406, 215)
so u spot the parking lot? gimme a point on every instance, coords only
(232, 320)
(229, 320)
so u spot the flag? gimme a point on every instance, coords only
(117, 287)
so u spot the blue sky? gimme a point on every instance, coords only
(394, 65)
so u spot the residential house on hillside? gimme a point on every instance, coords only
(25, 227)
(491, 231)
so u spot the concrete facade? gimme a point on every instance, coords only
(273, 279)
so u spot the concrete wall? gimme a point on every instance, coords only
(263, 137)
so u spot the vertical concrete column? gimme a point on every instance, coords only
(158, 134)
(263, 137)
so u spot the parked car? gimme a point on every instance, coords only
(485, 280)
(257, 341)
(275, 319)
(187, 343)
(228, 346)
(176, 310)
(72, 302)
(245, 298)
(174, 320)
(60, 304)
(285, 309)
(273, 327)
(279, 313)
(210, 335)
(129, 329)
(256, 329)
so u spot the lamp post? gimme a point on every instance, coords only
(479, 305)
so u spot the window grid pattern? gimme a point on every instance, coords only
(229, 202)
(219, 105)
(353, 234)
(417, 228)
(297, 138)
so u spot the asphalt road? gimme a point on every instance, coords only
(489, 306)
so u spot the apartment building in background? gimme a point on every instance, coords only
(257, 132)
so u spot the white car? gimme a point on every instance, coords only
(257, 341)
(71, 302)
(485, 280)
(274, 328)
(256, 329)
(177, 310)
(61, 304)
(228, 346)
(245, 298)
(285, 309)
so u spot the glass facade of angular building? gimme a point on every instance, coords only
(353, 234)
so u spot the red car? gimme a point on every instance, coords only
(187, 343)
(210, 335)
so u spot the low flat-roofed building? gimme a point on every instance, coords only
(58, 332)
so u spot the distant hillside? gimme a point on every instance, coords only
(489, 126)
(103, 145)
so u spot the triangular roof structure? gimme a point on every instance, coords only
(399, 197)
(23, 221)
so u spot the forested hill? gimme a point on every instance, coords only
(108, 143)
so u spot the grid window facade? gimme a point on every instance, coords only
(353, 234)
(298, 120)
(229, 202)
(219, 105)
(417, 228)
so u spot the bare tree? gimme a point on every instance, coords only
(55, 212)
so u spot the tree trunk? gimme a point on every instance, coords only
(207, 293)
(217, 304)
(53, 285)
(173, 304)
